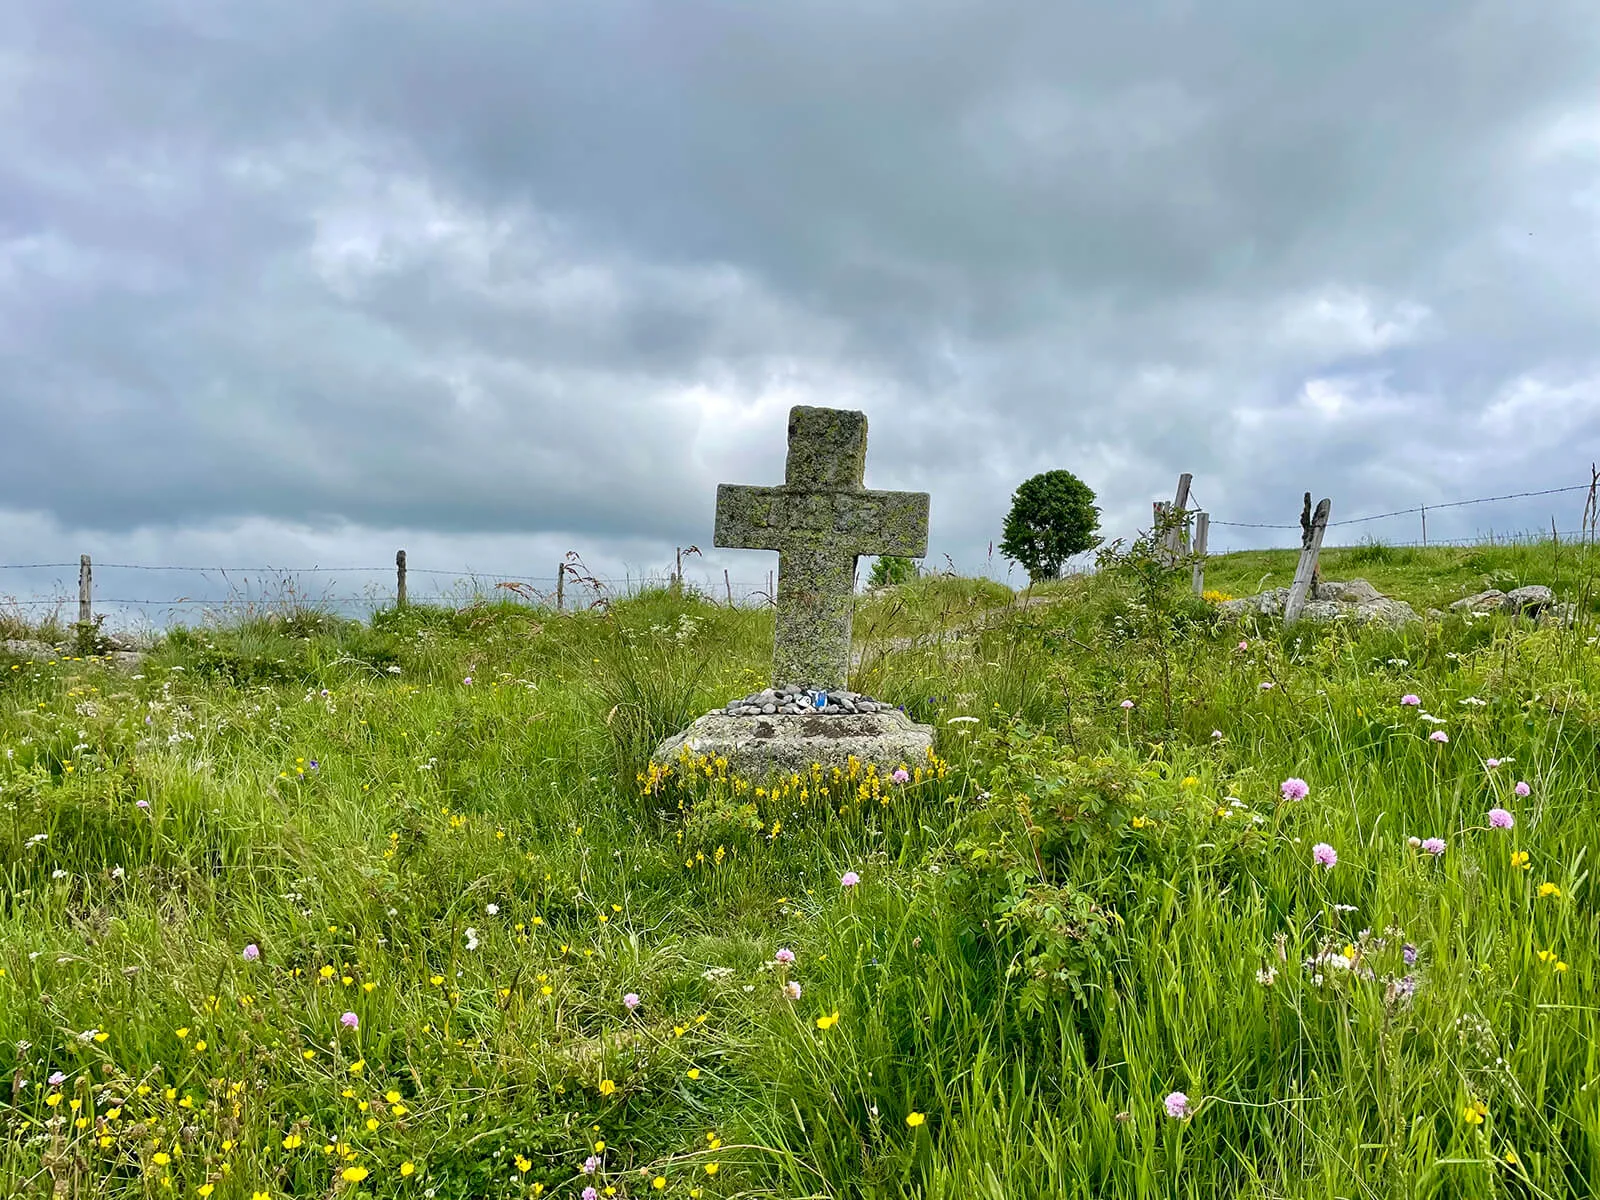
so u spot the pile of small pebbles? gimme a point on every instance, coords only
(799, 701)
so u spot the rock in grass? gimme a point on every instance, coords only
(1355, 591)
(1355, 600)
(1492, 600)
(24, 648)
(1530, 600)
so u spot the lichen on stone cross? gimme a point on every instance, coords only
(820, 521)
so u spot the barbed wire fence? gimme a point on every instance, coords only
(268, 588)
(1187, 536)
(1421, 511)
(262, 589)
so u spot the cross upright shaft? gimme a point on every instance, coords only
(820, 521)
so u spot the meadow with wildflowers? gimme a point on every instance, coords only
(399, 908)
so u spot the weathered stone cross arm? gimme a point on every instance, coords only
(855, 523)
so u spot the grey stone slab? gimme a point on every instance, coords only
(781, 744)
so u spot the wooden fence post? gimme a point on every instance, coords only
(399, 578)
(85, 589)
(1312, 526)
(561, 586)
(728, 586)
(1177, 535)
(1202, 525)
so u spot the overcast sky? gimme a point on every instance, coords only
(495, 279)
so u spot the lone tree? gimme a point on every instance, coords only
(1053, 516)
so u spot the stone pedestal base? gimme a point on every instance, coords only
(756, 747)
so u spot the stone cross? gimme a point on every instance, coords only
(820, 521)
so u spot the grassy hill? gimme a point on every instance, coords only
(394, 908)
(1425, 577)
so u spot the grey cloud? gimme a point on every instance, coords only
(513, 269)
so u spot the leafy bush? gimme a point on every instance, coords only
(890, 569)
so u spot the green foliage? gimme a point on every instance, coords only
(1159, 608)
(1083, 908)
(1053, 516)
(891, 569)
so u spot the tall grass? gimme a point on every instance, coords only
(432, 821)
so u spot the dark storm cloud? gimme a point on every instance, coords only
(553, 271)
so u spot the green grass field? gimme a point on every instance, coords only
(311, 908)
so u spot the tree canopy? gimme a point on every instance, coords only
(1053, 516)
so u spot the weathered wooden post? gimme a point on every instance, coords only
(1158, 514)
(399, 578)
(728, 586)
(561, 586)
(1312, 527)
(1180, 505)
(1202, 524)
(85, 589)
